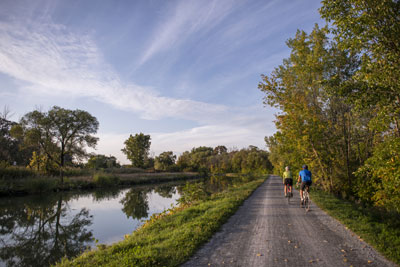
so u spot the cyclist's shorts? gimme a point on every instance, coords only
(304, 184)
(288, 181)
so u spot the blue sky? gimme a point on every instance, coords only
(185, 72)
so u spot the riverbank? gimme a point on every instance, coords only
(169, 239)
(38, 185)
(378, 228)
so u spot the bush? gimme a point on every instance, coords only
(102, 179)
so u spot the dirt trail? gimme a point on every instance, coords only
(267, 231)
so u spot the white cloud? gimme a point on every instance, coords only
(56, 62)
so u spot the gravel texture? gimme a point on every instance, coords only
(267, 231)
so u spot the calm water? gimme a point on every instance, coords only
(39, 230)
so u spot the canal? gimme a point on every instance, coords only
(39, 230)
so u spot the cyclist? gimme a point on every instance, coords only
(305, 178)
(287, 180)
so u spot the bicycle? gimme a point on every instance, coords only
(306, 199)
(289, 193)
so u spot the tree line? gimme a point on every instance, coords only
(339, 99)
(199, 159)
(49, 142)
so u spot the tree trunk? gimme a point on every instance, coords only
(62, 163)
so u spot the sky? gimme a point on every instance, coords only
(183, 71)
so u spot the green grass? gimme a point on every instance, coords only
(170, 239)
(377, 227)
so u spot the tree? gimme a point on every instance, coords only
(318, 125)
(102, 161)
(59, 133)
(137, 149)
(371, 29)
(164, 161)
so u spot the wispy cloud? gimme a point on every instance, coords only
(55, 61)
(184, 20)
(52, 60)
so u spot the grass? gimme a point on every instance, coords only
(379, 228)
(170, 239)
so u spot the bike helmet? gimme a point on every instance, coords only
(305, 166)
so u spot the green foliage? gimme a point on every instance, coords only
(137, 149)
(169, 239)
(58, 136)
(371, 29)
(102, 161)
(193, 192)
(379, 179)
(102, 179)
(219, 160)
(165, 161)
(379, 228)
(9, 146)
(340, 102)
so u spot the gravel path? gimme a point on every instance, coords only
(267, 231)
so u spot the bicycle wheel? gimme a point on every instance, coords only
(306, 203)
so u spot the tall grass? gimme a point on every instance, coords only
(102, 179)
(16, 173)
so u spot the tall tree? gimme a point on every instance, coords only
(137, 149)
(60, 133)
(371, 29)
(316, 125)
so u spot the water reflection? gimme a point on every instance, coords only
(40, 230)
(38, 233)
(135, 204)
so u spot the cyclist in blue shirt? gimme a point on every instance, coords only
(305, 178)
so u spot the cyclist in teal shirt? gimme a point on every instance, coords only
(305, 179)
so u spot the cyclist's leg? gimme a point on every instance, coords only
(284, 188)
(302, 187)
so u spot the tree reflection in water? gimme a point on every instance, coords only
(165, 191)
(41, 232)
(135, 203)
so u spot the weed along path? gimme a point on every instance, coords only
(267, 231)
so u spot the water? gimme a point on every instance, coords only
(40, 230)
